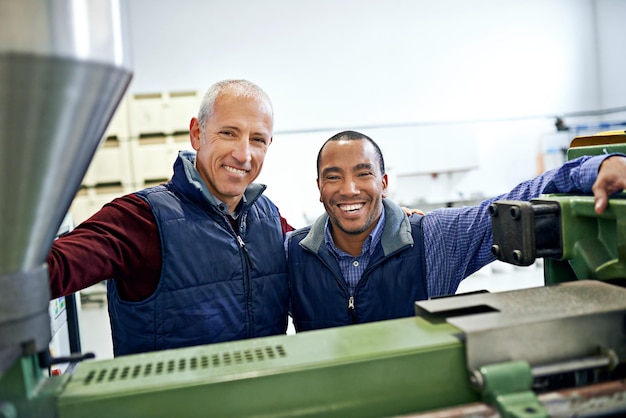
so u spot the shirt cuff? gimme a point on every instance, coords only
(591, 168)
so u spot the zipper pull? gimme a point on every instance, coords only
(245, 250)
(351, 310)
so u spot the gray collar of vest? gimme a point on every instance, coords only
(396, 235)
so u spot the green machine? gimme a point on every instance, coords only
(486, 353)
(556, 350)
(577, 242)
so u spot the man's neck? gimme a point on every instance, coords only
(233, 204)
(352, 244)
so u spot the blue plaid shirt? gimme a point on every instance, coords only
(457, 241)
(352, 268)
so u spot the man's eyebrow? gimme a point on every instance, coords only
(329, 170)
(231, 127)
(364, 166)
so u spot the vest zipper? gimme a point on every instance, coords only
(245, 251)
(351, 309)
(242, 245)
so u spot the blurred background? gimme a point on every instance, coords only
(463, 96)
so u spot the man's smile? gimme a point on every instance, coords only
(235, 170)
(352, 207)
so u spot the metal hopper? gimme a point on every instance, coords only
(63, 71)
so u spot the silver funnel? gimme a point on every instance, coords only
(63, 71)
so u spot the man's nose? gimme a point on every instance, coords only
(241, 151)
(349, 186)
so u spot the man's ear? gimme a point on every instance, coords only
(319, 187)
(195, 133)
(384, 183)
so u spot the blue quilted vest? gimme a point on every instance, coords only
(211, 289)
(393, 280)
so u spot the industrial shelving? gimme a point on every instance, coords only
(138, 148)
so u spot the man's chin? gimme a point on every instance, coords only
(352, 229)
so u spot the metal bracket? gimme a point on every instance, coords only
(525, 231)
(508, 387)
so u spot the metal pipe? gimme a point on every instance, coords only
(601, 399)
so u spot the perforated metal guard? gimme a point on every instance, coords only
(172, 366)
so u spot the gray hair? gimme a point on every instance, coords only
(242, 88)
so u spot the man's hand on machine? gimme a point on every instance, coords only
(611, 179)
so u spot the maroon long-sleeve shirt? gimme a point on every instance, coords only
(120, 241)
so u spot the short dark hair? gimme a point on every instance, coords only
(353, 136)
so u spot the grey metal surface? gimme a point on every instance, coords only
(63, 71)
(53, 113)
(91, 30)
(22, 318)
(541, 325)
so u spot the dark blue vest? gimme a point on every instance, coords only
(394, 279)
(211, 288)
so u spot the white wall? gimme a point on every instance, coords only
(442, 85)
(611, 30)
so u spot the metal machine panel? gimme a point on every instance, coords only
(378, 369)
(539, 325)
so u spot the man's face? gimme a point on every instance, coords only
(351, 186)
(231, 150)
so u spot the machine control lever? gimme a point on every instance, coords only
(46, 360)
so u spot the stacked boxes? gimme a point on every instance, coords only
(138, 148)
